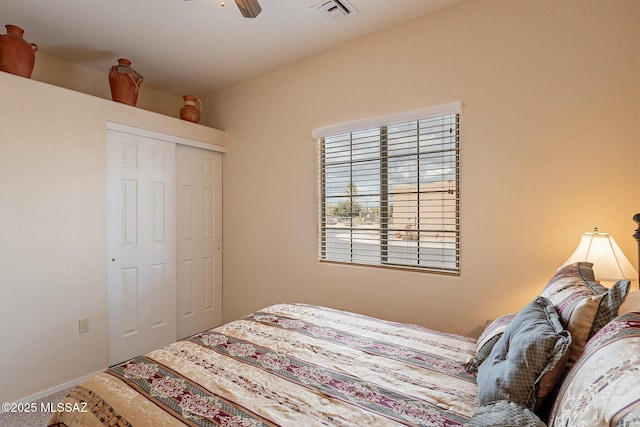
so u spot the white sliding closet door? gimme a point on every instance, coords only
(199, 239)
(142, 248)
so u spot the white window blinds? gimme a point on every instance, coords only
(388, 190)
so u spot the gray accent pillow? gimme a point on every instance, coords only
(504, 414)
(531, 346)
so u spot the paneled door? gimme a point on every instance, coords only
(199, 240)
(141, 244)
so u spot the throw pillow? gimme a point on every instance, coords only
(631, 303)
(504, 414)
(488, 338)
(531, 346)
(584, 306)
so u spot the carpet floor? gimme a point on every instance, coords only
(39, 417)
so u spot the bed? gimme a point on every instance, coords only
(570, 357)
(290, 364)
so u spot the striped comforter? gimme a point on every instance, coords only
(289, 365)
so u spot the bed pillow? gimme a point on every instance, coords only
(533, 345)
(631, 303)
(603, 388)
(488, 338)
(504, 414)
(584, 306)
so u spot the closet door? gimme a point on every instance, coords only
(199, 239)
(141, 240)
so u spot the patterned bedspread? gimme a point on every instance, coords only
(289, 365)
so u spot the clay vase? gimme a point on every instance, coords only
(190, 111)
(17, 56)
(124, 82)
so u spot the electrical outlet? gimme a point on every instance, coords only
(83, 325)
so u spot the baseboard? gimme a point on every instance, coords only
(56, 389)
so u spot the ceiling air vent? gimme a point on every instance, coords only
(335, 10)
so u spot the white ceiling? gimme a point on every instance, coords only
(195, 46)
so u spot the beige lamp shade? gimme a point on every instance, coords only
(601, 249)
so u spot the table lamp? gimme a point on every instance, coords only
(609, 262)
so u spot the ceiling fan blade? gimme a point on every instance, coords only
(249, 8)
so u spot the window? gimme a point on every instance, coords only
(388, 191)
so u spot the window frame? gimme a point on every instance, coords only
(382, 124)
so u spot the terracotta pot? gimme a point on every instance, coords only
(190, 111)
(17, 56)
(124, 82)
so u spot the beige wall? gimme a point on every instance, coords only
(53, 229)
(550, 149)
(55, 71)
